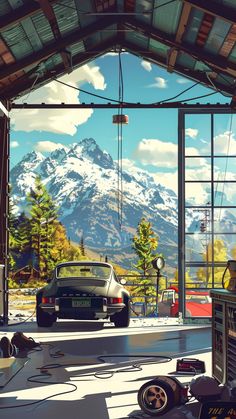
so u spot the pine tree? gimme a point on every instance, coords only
(12, 221)
(43, 214)
(145, 243)
(62, 250)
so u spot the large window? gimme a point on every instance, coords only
(207, 197)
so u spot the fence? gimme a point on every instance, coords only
(145, 293)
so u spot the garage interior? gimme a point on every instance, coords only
(41, 40)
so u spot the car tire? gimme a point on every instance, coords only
(156, 397)
(44, 319)
(122, 319)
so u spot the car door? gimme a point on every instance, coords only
(164, 306)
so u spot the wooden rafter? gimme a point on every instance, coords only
(229, 42)
(16, 89)
(5, 54)
(150, 56)
(50, 15)
(172, 57)
(56, 46)
(216, 63)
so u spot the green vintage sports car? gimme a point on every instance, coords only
(84, 291)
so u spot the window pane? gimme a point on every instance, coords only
(195, 247)
(198, 193)
(224, 247)
(224, 168)
(197, 168)
(198, 135)
(225, 194)
(224, 137)
(198, 276)
(198, 303)
(225, 220)
(198, 220)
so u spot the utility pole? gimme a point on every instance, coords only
(204, 228)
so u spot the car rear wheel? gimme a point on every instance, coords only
(122, 319)
(44, 319)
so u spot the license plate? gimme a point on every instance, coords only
(83, 302)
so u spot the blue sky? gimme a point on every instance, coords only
(150, 138)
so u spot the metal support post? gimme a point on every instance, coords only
(181, 214)
(4, 205)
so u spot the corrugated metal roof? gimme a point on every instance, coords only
(167, 18)
(195, 38)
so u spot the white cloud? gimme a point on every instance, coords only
(157, 153)
(225, 143)
(127, 164)
(48, 146)
(191, 132)
(146, 65)
(160, 153)
(182, 80)
(14, 144)
(197, 193)
(160, 83)
(197, 162)
(63, 121)
(167, 179)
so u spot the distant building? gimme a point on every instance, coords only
(25, 275)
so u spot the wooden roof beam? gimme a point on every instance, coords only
(51, 17)
(229, 42)
(172, 57)
(22, 86)
(216, 63)
(194, 75)
(57, 46)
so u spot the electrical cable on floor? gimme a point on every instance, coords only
(155, 359)
(44, 373)
(32, 379)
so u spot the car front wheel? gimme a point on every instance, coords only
(122, 319)
(44, 319)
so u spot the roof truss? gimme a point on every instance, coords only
(67, 42)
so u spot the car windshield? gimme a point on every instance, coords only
(201, 299)
(83, 271)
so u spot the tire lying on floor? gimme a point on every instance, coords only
(156, 397)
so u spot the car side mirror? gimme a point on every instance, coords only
(123, 281)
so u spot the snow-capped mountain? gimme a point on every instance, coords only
(82, 179)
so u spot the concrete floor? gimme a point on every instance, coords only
(101, 396)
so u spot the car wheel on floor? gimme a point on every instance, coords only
(44, 319)
(122, 319)
(156, 397)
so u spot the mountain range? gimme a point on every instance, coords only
(82, 180)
